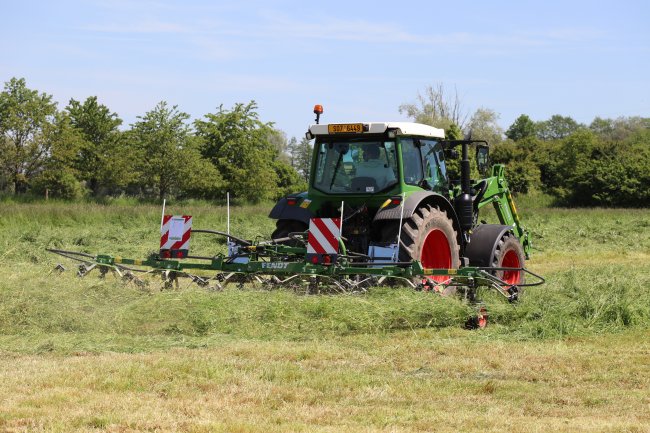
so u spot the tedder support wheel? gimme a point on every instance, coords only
(509, 254)
(284, 227)
(480, 321)
(428, 236)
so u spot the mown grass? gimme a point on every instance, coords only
(591, 261)
(431, 380)
(572, 355)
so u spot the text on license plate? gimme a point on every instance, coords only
(345, 128)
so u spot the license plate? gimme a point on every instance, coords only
(345, 128)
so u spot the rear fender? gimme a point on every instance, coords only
(483, 243)
(282, 211)
(419, 199)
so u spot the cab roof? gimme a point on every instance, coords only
(402, 128)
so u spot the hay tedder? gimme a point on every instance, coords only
(382, 208)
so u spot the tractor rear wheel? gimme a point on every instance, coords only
(428, 236)
(284, 227)
(509, 254)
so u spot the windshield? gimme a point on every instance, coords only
(356, 166)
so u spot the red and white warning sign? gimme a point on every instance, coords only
(175, 236)
(323, 239)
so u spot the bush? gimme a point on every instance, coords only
(585, 170)
(521, 171)
(59, 184)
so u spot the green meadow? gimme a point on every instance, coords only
(99, 355)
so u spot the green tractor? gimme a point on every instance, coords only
(389, 183)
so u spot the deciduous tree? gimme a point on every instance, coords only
(557, 127)
(101, 151)
(237, 142)
(169, 156)
(438, 107)
(24, 114)
(300, 153)
(484, 126)
(59, 175)
(522, 128)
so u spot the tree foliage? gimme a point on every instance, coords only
(521, 170)
(606, 163)
(438, 107)
(300, 153)
(98, 156)
(83, 150)
(484, 125)
(618, 129)
(170, 158)
(24, 115)
(522, 128)
(238, 143)
(60, 176)
(586, 170)
(557, 127)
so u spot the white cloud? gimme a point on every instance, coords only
(275, 25)
(146, 26)
(334, 29)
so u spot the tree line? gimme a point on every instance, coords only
(82, 151)
(604, 163)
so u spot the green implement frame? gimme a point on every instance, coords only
(497, 193)
(283, 263)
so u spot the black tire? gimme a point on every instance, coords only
(509, 254)
(428, 236)
(284, 227)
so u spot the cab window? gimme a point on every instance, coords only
(360, 165)
(411, 161)
(434, 163)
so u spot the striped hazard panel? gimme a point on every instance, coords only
(175, 236)
(323, 240)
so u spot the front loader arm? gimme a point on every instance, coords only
(498, 193)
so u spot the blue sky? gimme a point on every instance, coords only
(361, 60)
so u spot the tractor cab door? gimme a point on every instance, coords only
(435, 171)
(424, 163)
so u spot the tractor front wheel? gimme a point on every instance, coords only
(509, 254)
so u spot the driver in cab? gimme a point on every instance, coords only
(374, 167)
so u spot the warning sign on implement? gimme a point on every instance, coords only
(175, 236)
(323, 240)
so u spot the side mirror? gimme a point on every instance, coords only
(483, 159)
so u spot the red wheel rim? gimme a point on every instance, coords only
(436, 254)
(511, 260)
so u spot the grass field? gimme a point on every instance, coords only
(95, 355)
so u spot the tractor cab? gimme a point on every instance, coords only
(377, 164)
(377, 159)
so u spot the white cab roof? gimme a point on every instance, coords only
(403, 128)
